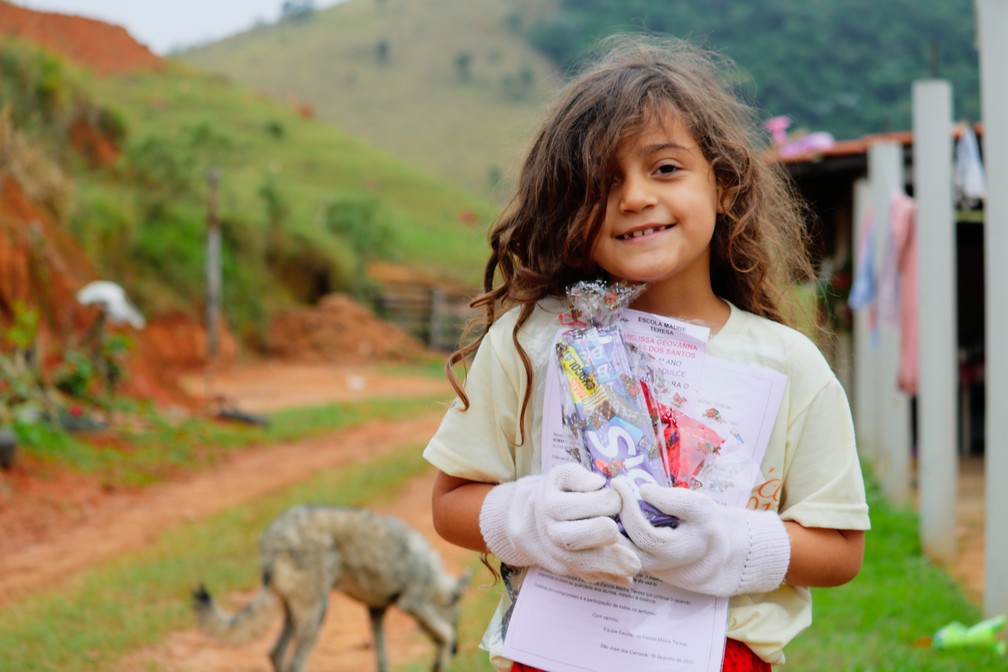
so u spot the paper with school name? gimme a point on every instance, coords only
(563, 624)
(738, 401)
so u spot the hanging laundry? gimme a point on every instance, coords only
(903, 220)
(887, 293)
(969, 177)
(864, 288)
(862, 292)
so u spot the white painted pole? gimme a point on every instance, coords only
(938, 464)
(865, 354)
(992, 27)
(885, 171)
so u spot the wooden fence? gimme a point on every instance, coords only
(435, 315)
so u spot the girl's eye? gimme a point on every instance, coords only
(667, 169)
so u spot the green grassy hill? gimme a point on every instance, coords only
(304, 208)
(408, 77)
(272, 157)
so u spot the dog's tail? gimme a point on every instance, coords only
(234, 628)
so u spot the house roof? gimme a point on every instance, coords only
(859, 146)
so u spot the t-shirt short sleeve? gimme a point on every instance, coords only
(824, 485)
(476, 443)
(491, 441)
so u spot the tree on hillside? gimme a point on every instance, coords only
(382, 51)
(463, 65)
(297, 9)
(520, 85)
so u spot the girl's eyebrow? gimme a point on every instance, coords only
(661, 146)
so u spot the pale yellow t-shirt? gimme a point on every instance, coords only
(811, 473)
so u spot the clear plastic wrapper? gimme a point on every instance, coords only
(606, 406)
(702, 449)
(690, 444)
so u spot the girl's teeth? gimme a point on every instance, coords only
(645, 232)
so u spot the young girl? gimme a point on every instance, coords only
(648, 170)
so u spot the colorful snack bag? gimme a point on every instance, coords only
(690, 445)
(606, 405)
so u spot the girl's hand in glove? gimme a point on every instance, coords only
(715, 549)
(562, 521)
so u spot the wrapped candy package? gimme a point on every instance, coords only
(690, 445)
(605, 405)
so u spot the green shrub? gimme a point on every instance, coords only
(275, 129)
(50, 85)
(76, 375)
(112, 124)
(275, 201)
(360, 221)
(34, 83)
(24, 396)
(171, 167)
(170, 246)
(103, 223)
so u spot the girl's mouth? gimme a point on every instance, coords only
(639, 233)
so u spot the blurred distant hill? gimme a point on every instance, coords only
(843, 67)
(455, 86)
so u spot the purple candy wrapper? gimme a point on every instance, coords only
(606, 407)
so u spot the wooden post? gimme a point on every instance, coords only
(213, 282)
(992, 26)
(885, 171)
(938, 464)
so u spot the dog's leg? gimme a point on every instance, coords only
(378, 635)
(307, 623)
(439, 630)
(276, 654)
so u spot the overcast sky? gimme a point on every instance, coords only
(162, 25)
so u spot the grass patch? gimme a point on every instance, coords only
(161, 448)
(879, 622)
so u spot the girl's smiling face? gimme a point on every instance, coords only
(661, 211)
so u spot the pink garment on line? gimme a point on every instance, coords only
(903, 219)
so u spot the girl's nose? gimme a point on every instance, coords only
(635, 195)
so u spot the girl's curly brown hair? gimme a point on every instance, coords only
(542, 240)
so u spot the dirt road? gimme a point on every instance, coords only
(48, 531)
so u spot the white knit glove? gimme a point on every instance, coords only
(561, 521)
(715, 549)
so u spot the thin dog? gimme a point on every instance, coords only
(309, 551)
